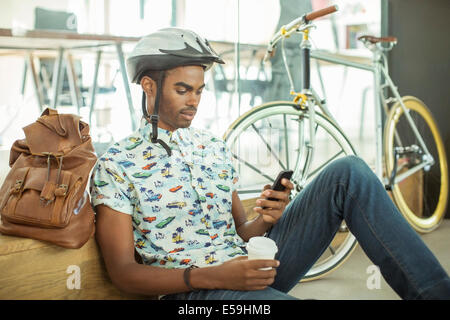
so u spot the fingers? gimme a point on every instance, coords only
(288, 184)
(258, 279)
(279, 195)
(263, 263)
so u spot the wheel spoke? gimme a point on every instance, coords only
(286, 140)
(268, 147)
(252, 167)
(325, 164)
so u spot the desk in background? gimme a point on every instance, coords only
(65, 44)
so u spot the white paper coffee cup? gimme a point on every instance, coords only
(261, 248)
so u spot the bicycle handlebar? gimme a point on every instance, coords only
(320, 13)
(295, 24)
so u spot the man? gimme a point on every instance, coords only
(159, 192)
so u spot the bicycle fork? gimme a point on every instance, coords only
(418, 150)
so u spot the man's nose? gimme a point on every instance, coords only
(194, 99)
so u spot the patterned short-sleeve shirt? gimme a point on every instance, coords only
(180, 204)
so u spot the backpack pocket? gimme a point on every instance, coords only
(40, 198)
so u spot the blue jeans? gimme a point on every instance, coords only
(346, 190)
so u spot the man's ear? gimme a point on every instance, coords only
(149, 86)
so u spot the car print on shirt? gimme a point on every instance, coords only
(142, 175)
(149, 219)
(185, 261)
(177, 204)
(229, 233)
(235, 253)
(154, 197)
(114, 174)
(149, 166)
(223, 175)
(175, 189)
(223, 188)
(165, 222)
(214, 236)
(219, 224)
(126, 163)
(194, 212)
(100, 183)
(136, 141)
(202, 232)
(210, 195)
(114, 151)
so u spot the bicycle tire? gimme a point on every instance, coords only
(281, 109)
(425, 212)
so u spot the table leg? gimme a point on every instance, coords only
(94, 85)
(73, 83)
(57, 77)
(24, 77)
(123, 71)
(36, 82)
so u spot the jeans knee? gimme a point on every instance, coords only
(351, 166)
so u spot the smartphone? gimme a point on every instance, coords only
(277, 186)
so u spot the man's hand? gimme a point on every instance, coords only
(273, 210)
(243, 274)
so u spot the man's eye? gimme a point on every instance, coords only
(181, 91)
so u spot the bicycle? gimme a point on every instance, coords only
(295, 136)
(410, 151)
(404, 158)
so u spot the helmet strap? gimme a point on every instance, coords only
(154, 118)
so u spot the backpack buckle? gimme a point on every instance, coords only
(17, 186)
(61, 191)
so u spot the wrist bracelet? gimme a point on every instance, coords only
(186, 277)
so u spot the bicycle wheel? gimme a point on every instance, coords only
(421, 197)
(268, 139)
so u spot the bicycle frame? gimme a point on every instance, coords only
(379, 69)
(310, 100)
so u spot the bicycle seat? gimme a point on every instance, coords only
(374, 40)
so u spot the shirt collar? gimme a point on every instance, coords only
(165, 135)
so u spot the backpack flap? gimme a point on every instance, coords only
(53, 133)
(41, 199)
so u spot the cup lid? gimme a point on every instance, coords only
(263, 243)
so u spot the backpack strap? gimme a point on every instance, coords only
(16, 190)
(60, 194)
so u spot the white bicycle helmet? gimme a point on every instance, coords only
(169, 48)
(162, 50)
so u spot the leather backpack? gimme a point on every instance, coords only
(44, 196)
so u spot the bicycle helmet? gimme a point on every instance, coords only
(162, 50)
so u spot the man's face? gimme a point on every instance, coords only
(181, 94)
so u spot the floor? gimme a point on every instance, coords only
(354, 278)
